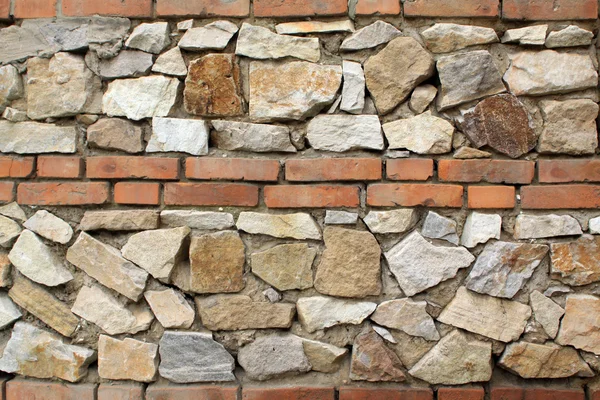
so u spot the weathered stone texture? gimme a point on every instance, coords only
(576, 263)
(127, 359)
(286, 267)
(319, 312)
(373, 361)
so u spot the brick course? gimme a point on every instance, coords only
(531, 10)
(132, 168)
(299, 8)
(59, 167)
(410, 195)
(210, 194)
(120, 8)
(309, 196)
(63, 193)
(16, 167)
(446, 9)
(333, 169)
(235, 169)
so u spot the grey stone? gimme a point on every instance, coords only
(528, 36)
(106, 35)
(333, 217)
(445, 38)
(50, 226)
(116, 134)
(9, 312)
(392, 221)
(37, 138)
(214, 36)
(546, 312)
(373, 35)
(14, 115)
(128, 64)
(545, 226)
(272, 295)
(18, 43)
(171, 63)
(422, 134)
(201, 220)
(422, 97)
(438, 227)
(260, 43)
(408, 316)
(64, 34)
(170, 308)
(119, 220)
(320, 312)
(244, 136)
(185, 25)
(557, 290)
(179, 135)
(302, 27)
(570, 36)
(479, 228)
(151, 38)
(11, 85)
(286, 267)
(14, 211)
(9, 232)
(341, 133)
(295, 226)
(353, 92)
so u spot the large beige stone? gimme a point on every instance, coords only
(576, 263)
(286, 267)
(261, 43)
(295, 226)
(116, 134)
(444, 37)
(170, 308)
(9, 232)
(373, 361)
(408, 316)
(422, 134)
(11, 85)
(36, 138)
(579, 327)
(127, 359)
(323, 357)
(320, 312)
(50, 226)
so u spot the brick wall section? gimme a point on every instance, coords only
(409, 169)
(210, 194)
(562, 171)
(16, 167)
(289, 393)
(491, 197)
(333, 169)
(446, 9)
(222, 8)
(409, 195)
(311, 196)
(299, 8)
(235, 169)
(535, 393)
(379, 7)
(35, 8)
(532, 10)
(127, 391)
(7, 191)
(142, 193)
(120, 8)
(4, 9)
(63, 193)
(493, 171)
(461, 393)
(59, 167)
(132, 168)
(19, 389)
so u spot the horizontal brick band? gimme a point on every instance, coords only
(333, 169)
(63, 193)
(132, 168)
(210, 194)
(408, 195)
(560, 197)
(559, 171)
(307, 196)
(16, 167)
(409, 169)
(493, 171)
(235, 169)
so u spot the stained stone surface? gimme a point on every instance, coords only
(244, 136)
(408, 316)
(294, 226)
(320, 312)
(127, 359)
(422, 97)
(373, 35)
(170, 308)
(373, 361)
(528, 226)
(116, 134)
(393, 221)
(445, 37)
(422, 134)
(286, 267)
(579, 325)
(576, 263)
(201, 220)
(479, 228)
(49, 226)
(439, 227)
(37, 138)
(469, 153)
(119, 220)
(213, 36)
(324, 357)
(341, 133)
(546, 312)
(261, 43)
(128, 64)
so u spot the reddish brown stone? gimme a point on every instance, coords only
(577, 263)
(501, 122)
(212, 87)
(373, 361)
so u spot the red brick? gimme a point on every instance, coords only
(308, 196)
(133, 167)
(16, 167)
(299, 8)
(35, 8)
(235, 169)
(203, 8)
(211, 194)
(452, 8)
(557, 171)
(410, 195)
(531, 393)
(191, 392)
(117, 8)
(333, 169)
(560, 197)
(62, 193)
(381, 7)
(4, 9)
(20, 389)
(531, 10)
(289, 393)
(411, 169)
(491, 197)
(461, 393)
(137, 193)
(494, 171)
(7, 192)
(127, 391)
(400, 393)
(59, 167)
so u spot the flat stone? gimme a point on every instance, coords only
(543, 361)
(95, 304)
(370, 36)
(62, 86)
(385, 334)
(579, 325)
(157, 251)
(64, 34)
(185, 25)
(502, 268)
(127, 359)
(171, 63)
(333, 217)
(576, 263)
(256, 138)
(188, 357)
(479, 228)
(419, 265)
(36, 138)
(394, 72)
(466, 77)
(170, 308)
(320, 312)
(294, 226)
(37, 261)
(545, 226)
(36, 300)
(570, 36)
(393, 221)
(594, 225)
(527, 36)
(14, 115)
(467, 153)
(569, 127)
(151, 38)
(503, 123)
(548, 72)
(214, 36)
(18, 43)
(119, 220)
(312, 86)
(274, 356)
(445, 38)
(373, 361)
(557, 290)
(498, 319)
(237, 312)
(116, 134)
(11, 85)
(9, 312)
(260, 43)
(422, 97)
(410, 349)
(341, 133)
(201, 220)
(213, 86)
(455, 360)
(408, 316)
(350, 264)
(50, 226)
(9, 232)
(353, 91)
(438, 227)
(105, 264)
(145, 97)
(422, 134)
(13, 211)
(286, 267)
(324, 357)
(217, 263)
(179, 135)
(546, 312)
(272, 295)
(5, 270)
(106, 35)
(40, 354)
(128, 64)
(302, 27)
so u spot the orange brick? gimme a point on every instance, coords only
(203, 8)
(117, 8)
(491, 197)
(381, 7)
(7, 192)
(557, 171)
(493, 171)
(560, 197)
(20, 389)
(62, 193)
(299, 8)
(211, 194)
(333, 169)
(127, 391)
(289, 393)
(410, 195)
(461, 393)
(35, 8)
(309, 196)
(125, 167)
(236, 169)
(4, 9)
(137, 193)
(532, 393)
(451, 8)
(399, 393)
(16, 167)
(531, 10)
(59, 167)
(191, 392)
(410, 169)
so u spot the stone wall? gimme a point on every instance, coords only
(299, 199)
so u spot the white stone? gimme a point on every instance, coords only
(319, 312)
(171, 63)
(370, 36)
(384, 333)
(353, 91)
(185, 25)
(545, 226)
(257, 138)
(50, 226)
(295, 226)
(546, 312)
(214, 36)
(201, 220)
(9, 231)
(479, 228)
(179, 135)
(422, 97)
(595, 225)
(36, 138)
(438, 227)
(341, 133)
(529, 36)
(570, 36)
(11, 85)
(9, 312)
(445, 38)
(18, 43)
(333, 217)
(128, 64)
(422, 134)
(393, 221)
(170, 308)
(293, 28)
(151, 38)
(260, 43)
(14, 211)
(408, 316)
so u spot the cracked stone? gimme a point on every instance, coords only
(320, 312)
(50, 227)
(286, 267)
(373, 361)
(260, 43)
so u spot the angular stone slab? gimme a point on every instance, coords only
(545, 226)
(214, 36)
(319, 312)
(170, 308)
(201, 220)
(323, 357)
(370, 36)
(439, 227)
(171, 63)
(445, 38)
(127, 359)
(258, 138)
(527, 36)
(480, 228)
(9, 232)
(576, 263)
(260, 43)
(17, 43)
(341, 133)
(422, 134)
(50, 226)
(37, 138)
(179, 135)
(408, 316)
(579, 327)
(570, 36)
(119, 220)
(373, 361)
(546, 312)
(295, 226)
(286, 267)
(9, 312)
(150, 37)
(353, 92)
